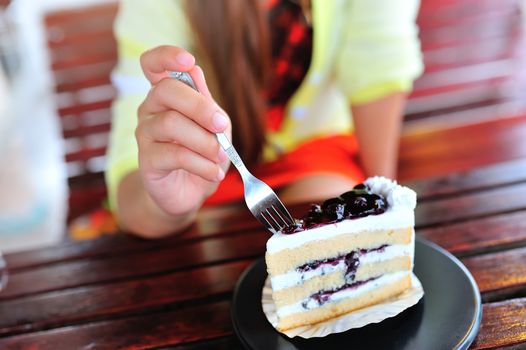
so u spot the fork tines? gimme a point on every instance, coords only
(275, 219)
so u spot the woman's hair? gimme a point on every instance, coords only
(233, 47)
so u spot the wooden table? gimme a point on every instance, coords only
(123, 292)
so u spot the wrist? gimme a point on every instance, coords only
(166, 223)
(138, 213)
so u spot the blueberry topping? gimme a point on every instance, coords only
(353, 204)
(357, 203)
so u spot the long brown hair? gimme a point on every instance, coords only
(233, 47)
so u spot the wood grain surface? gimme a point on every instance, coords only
(463, 150)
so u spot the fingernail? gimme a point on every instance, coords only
(185, 59)
(220, 174)
(220, 121)
(221, 155)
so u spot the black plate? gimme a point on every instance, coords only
(447, 317)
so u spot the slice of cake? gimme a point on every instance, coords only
(350, 252)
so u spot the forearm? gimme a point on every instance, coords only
(377, 128)
(138, 213)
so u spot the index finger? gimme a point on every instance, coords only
(156, 62)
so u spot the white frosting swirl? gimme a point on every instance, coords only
(396, 195)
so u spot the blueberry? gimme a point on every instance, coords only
(375, 203)
(334, 209)
(314, 216)
(348, 196)
(357, 206)
(335, 212)
(361, 186)
(360, 202)
(331, 201)
(315, 211)
(357, 190)
(380, 205)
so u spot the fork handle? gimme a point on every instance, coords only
(230, 151)
(225, 143)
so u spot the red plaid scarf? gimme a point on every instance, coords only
(291, 38)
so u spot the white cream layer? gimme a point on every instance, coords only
(294, 277)
(391, 219)
(343, 294)
(399, 214)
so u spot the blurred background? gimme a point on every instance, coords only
(55, 93)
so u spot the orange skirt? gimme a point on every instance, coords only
(330, 155)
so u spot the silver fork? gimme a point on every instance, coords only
(260, 198)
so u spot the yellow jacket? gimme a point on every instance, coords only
(362, 50)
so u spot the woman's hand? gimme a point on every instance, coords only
(180, 160)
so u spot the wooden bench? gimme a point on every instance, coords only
(471, 88)
(83, 53)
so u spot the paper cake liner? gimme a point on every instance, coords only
(355, 319)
